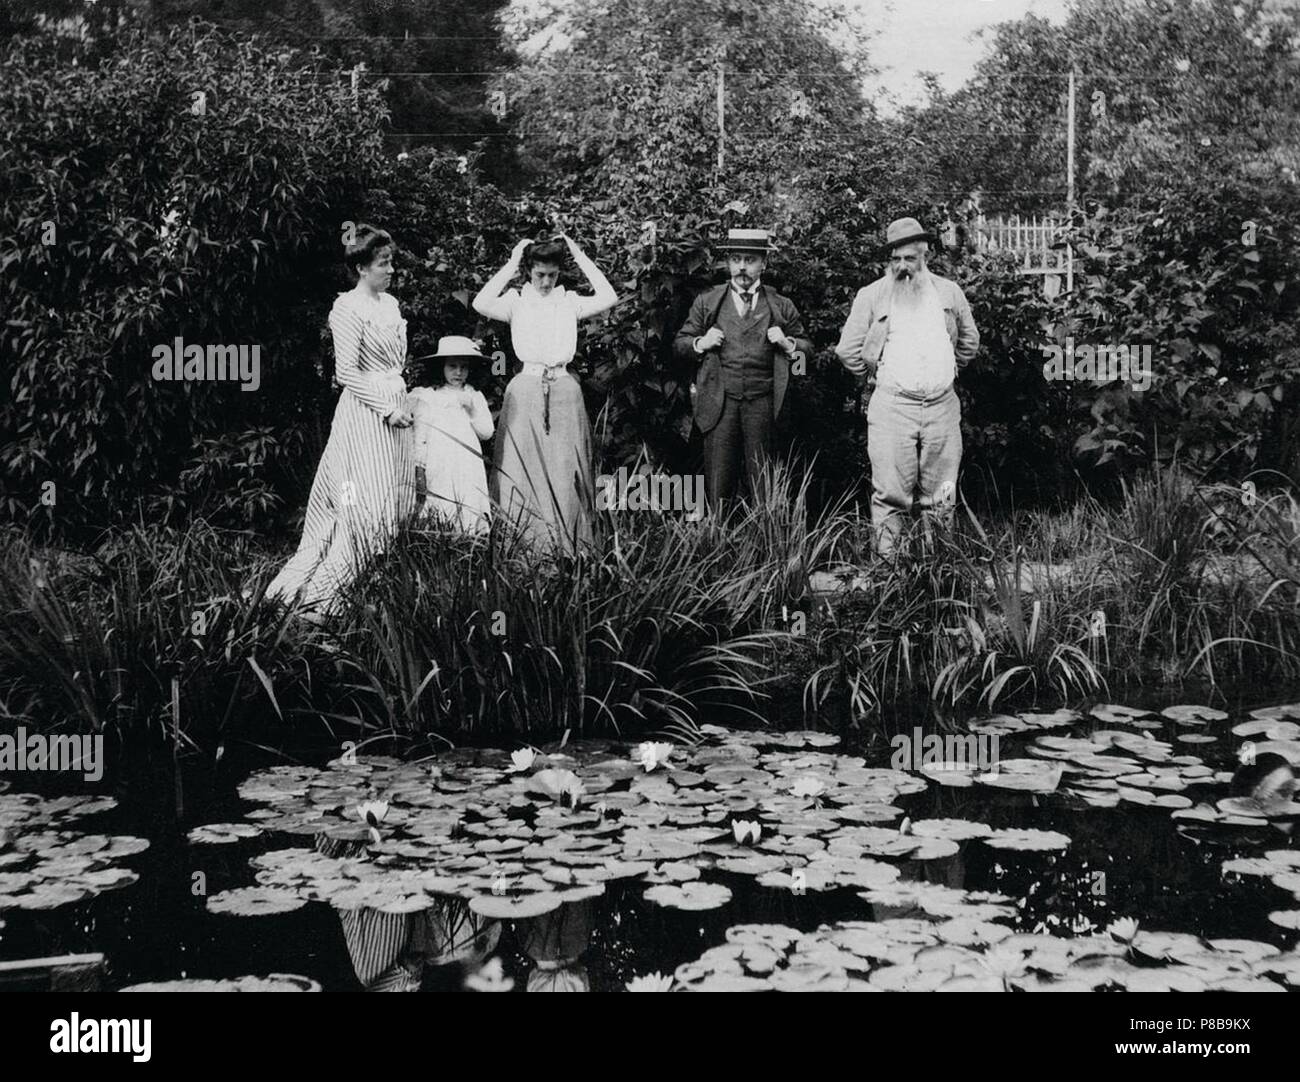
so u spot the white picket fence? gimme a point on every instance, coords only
(1031, 239)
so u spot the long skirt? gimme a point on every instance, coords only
(541, 477)
(364, 486)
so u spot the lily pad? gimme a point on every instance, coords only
(1114, 713)
(254, 902)
(952, 829)
(222, 833)
(515, 906)
(1038, 841)
(274, 982)
(689, 896)
(1192, 715)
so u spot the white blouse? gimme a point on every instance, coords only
(544, 329)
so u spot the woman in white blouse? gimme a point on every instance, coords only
(362, 487)
(542, 478)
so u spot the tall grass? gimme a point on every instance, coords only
(146, 638)
(661, 622)
(1177, 581)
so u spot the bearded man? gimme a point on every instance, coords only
(909, 332)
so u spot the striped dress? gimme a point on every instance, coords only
(364, 484)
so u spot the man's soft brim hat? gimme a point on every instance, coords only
(903, 231)
(758, 241)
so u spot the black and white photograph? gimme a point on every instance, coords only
(654, 496)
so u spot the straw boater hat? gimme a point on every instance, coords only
(758, 241)
(903, 231)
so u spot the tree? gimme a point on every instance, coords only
(1171, 95)
(208, 206)
(623, 95)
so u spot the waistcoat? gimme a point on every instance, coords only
(746, 354)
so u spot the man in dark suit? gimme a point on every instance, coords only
(745, 336)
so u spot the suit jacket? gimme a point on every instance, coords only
(778, 312)
(863, 338)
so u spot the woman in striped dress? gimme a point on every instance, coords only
(542, 477)
(361, 490)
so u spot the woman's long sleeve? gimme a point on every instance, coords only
(347, 325)
(489, 301)
(605, 295)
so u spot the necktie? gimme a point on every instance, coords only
(747, 302)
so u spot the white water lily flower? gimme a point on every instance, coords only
(651, 982)
(651, 754)
(1124, 929)
(522, 760)
(372, 812)
(808, 786)
(1002, 962)
(746, 831)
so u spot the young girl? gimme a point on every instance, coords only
(451, 419)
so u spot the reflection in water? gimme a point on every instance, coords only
(556, 942)
(390, 951)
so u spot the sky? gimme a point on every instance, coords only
(937, 35)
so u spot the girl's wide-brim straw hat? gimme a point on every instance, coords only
(454, 347)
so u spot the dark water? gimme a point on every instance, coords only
(159, 929)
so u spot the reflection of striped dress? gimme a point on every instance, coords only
(390, 951)
(362, 487)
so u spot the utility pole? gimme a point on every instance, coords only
(722, 123)
(1069, 183)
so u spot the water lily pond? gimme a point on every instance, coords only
(1103, 850)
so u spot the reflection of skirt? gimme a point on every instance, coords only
(542, 479)
(390, 951)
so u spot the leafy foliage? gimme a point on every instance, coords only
(194, 213)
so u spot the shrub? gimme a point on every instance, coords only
(195, 211)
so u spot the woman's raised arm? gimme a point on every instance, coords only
(605, 297)
(489, 302)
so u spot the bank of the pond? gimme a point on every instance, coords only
(151, 640)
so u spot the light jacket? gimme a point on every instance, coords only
(863, 339)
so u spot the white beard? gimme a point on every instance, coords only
(909, 291)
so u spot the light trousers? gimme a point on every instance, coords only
(915, 450)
